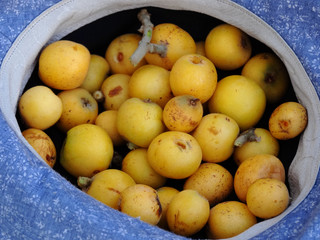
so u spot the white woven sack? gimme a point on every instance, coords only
(69, 15)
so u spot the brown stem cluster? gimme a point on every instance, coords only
(247, 136)
(145, 45)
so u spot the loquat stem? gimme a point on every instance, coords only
(247, 136)
(145, 45)
(132, 146)
(98, 96)
(84, 182)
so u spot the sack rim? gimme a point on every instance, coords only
(294, 66)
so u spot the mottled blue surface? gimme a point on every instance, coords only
(27, 213)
